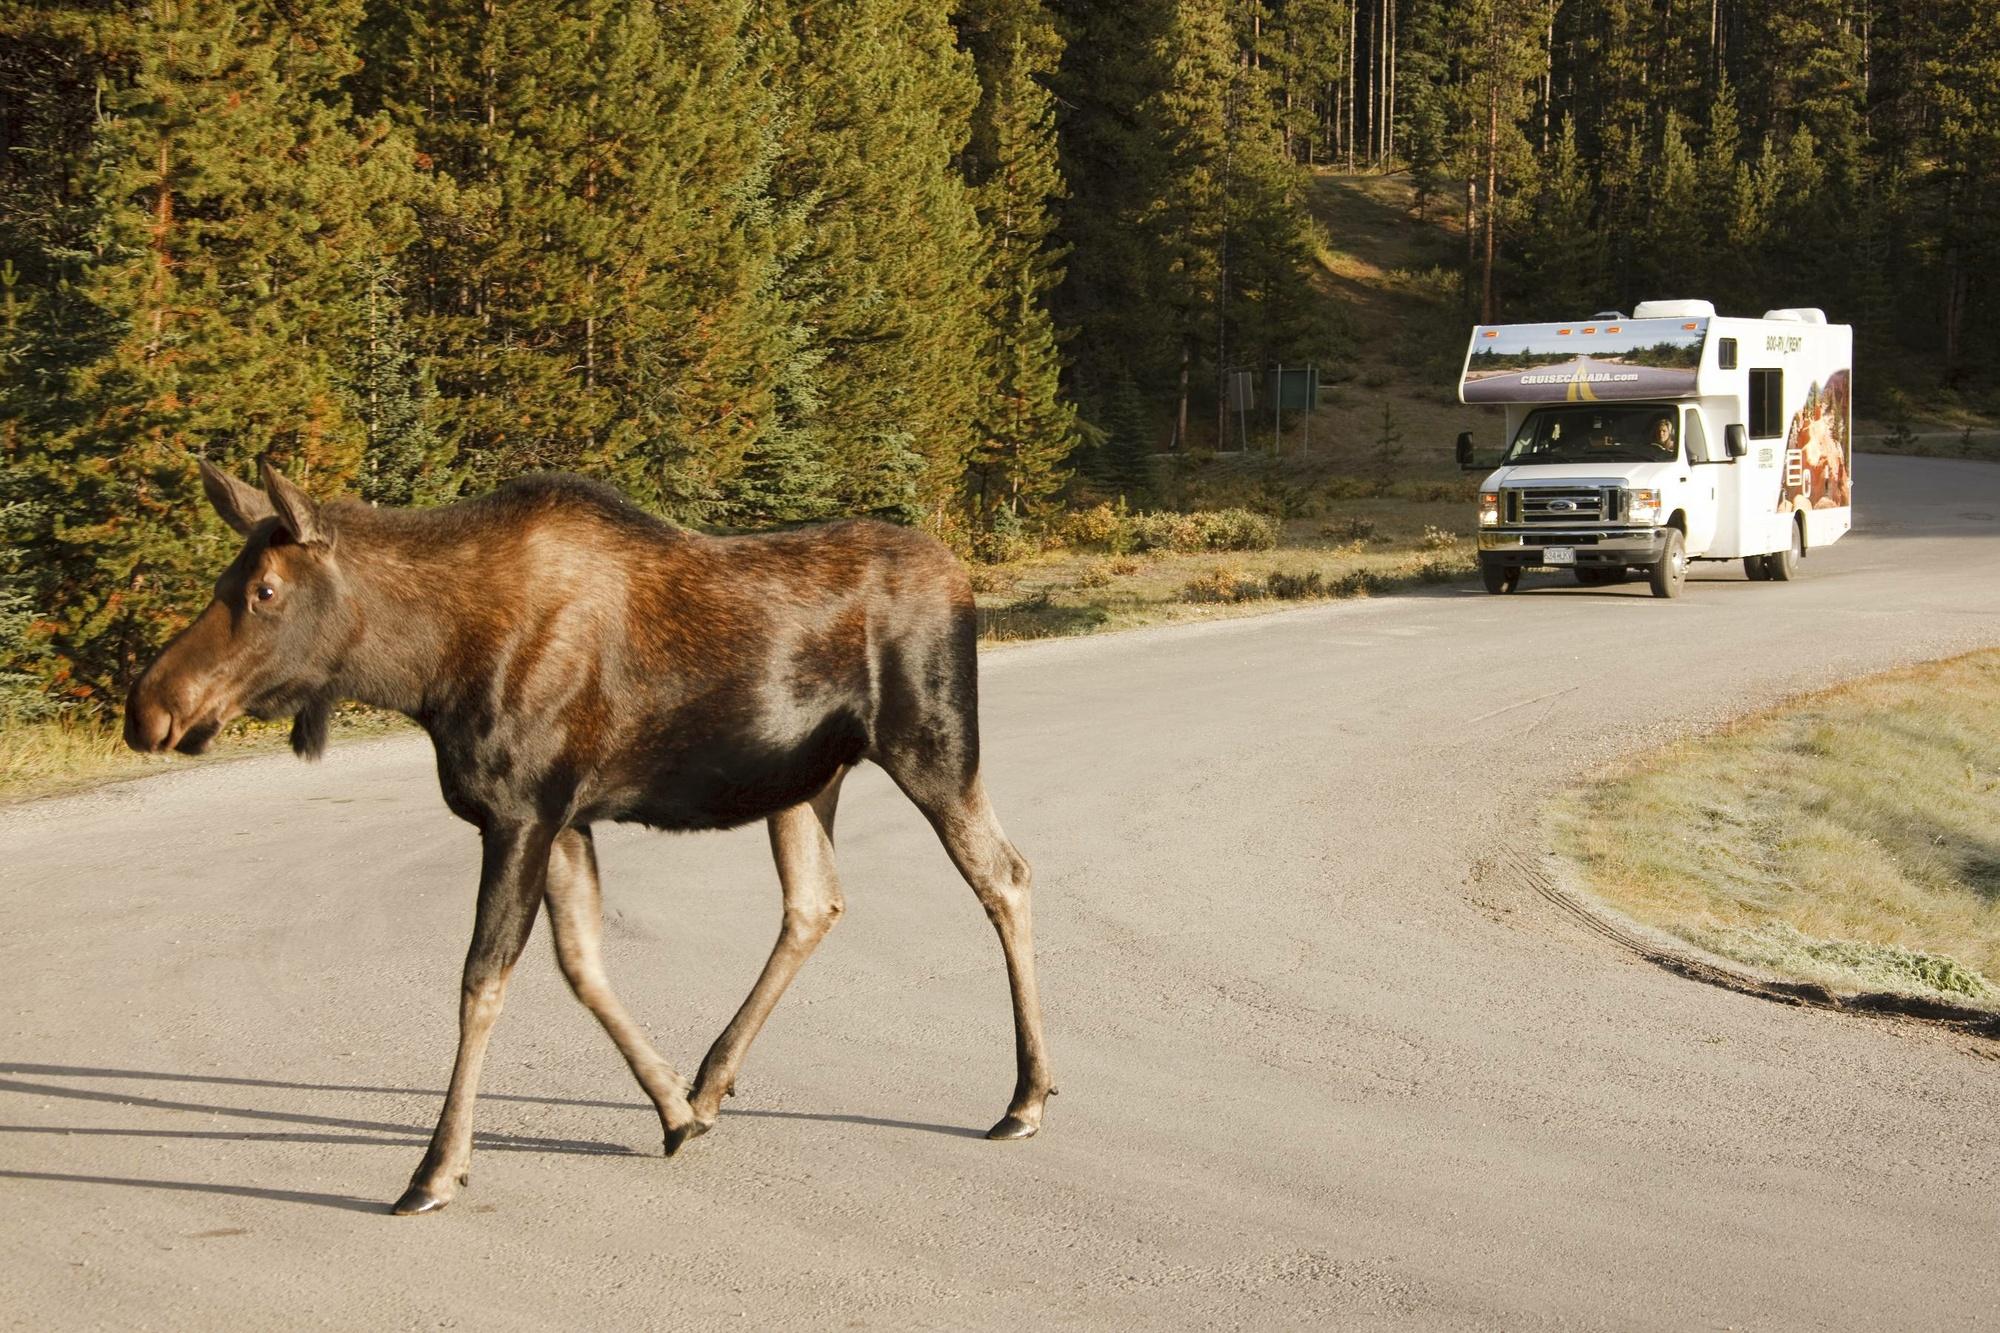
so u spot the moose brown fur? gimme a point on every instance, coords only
(576, 660)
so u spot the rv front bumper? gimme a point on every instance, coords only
(1588, 546)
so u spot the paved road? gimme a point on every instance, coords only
(1318, 1061)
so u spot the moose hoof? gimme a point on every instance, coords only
(1012, 1127)
(416, 1199)
(693, 1129)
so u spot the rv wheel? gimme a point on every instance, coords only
(1672, 568)
(1498, 577)
(1756, 568)
(1784, 565)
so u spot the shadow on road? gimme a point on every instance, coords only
(345, 1202)
(79, 1071)
(954, 1131)
(416, 1134)
(360, 1133)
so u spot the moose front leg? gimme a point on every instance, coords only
(513, 869)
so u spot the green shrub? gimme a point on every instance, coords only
(1221, 584)
(1290, 587)
(1203, 530)
(1356, 530)
(1442, 571)
(1437, 539)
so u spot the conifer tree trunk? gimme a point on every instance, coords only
(1353, 49)
(1390, 105)
(1471, 233)
(1492, 172)
(1181, 413)
(1368, 92)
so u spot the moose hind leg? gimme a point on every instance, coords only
(513, 866)
(1001, 877)
(802, 845)
(576, 918)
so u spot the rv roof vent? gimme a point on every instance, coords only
(1609, 314)
(1673, 310)
(1799, 315)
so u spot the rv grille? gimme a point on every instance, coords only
(1558, 504)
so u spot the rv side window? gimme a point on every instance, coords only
(1695, 438)
(1767, 399)
(1725, 354)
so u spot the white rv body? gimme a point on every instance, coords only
(1779, 389)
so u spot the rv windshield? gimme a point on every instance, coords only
(1595, 433)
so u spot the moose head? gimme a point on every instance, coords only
(272, 641)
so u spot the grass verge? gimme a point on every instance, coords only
(1979, 445)
(72, 752)
(1410, 533)
(1846, 839)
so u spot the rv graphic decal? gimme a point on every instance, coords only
(1583, 363)
(1817, 450)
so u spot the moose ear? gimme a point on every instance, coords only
(241, 505)
(297, 511)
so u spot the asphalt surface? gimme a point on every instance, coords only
(1320, 1061)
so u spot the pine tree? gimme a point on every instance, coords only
(1562, 249)
(1026, 429)
(404, 459)
(1123, 356)
(1674, 249)
(596, 285)
(883, 249)
(235, 203)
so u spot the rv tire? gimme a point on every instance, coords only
(1670, 571)
(1784, 565)
(1499, 578)
(1757, 568)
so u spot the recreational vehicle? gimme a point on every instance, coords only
(1641, 443)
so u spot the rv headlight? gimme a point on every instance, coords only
(1642, 506)
(1489, 508)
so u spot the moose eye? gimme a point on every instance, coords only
(265, 592)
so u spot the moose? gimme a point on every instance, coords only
(575, 659)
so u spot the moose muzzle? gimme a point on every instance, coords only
(176, 704)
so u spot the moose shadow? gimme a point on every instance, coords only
(321, 1129)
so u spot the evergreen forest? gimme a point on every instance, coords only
(957, 263)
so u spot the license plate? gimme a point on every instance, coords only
(1559, 555)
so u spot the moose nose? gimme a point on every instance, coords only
(147, 723)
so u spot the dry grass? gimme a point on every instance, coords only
(1357, 548)
(1928, 441)
(45, 758)
(70, 753)
(1850, 838)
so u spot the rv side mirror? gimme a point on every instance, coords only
(1465, 463)
(1735, 440)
